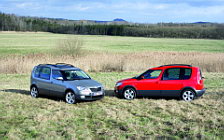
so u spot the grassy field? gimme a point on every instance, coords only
(23, 43)
(20, 51)
(23, 117)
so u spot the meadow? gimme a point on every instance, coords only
(41, 42)
(20, 51)
(108, 59)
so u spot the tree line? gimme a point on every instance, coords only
(10, 22)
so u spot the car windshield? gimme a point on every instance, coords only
(74, 75)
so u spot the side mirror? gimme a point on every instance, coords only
(59, 78)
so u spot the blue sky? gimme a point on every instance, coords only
(143, 11)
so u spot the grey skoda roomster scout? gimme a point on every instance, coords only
(65, 81)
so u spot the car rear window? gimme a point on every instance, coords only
(37, 72)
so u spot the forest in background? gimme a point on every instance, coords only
(11, 22)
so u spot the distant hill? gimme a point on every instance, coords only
(120, 19)
(201, 22)
(117, 20)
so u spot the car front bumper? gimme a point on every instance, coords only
(90, 97)
(200, 92)
(118, 92)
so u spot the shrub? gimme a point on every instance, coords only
(113, 67)
(70, 46)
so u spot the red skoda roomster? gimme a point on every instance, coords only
(176, 80)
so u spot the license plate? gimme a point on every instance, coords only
(97, 93)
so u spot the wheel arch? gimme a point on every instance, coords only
(129, 86)
(69, 89)
(185, 88)
(33, 85)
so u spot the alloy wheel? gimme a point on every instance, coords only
(129, 94)
(34, 92)
(70, 98)
(188, 95)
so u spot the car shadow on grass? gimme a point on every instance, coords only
(19, 91)
(112, 94)
(27, 92)
(109, 93)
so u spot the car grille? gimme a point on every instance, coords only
(95, 89)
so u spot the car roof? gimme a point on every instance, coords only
(60, 66)
(173, 66)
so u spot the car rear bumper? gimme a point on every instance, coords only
(200, 92)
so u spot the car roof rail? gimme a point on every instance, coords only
(56, 65)
(64, 64)
(44, 64)
(176, 65)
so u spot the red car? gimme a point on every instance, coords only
(176, 80)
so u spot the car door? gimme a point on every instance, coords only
(57, 87)
(171, 82)
(43, 80)
(148, 83)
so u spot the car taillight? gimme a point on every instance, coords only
(200, 77)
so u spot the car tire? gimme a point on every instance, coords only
(188, 95)
(34, 92)
(70, 97)
(129, 93)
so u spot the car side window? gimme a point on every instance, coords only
(172, 74)
(152, 74)
(45, 73)
(56, 74)
(37, 72)
(186, 74)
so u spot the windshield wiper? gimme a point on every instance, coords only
(85, 78)
(75, 79)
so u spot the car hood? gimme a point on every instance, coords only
(85, 83)
(127, 80)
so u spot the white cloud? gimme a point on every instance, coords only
(28, 5)
(79, 7)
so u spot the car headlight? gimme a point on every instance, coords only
(118, 84)
(81, 88)
(84, 90)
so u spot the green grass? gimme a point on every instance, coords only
(23, 117)
(24, 43)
